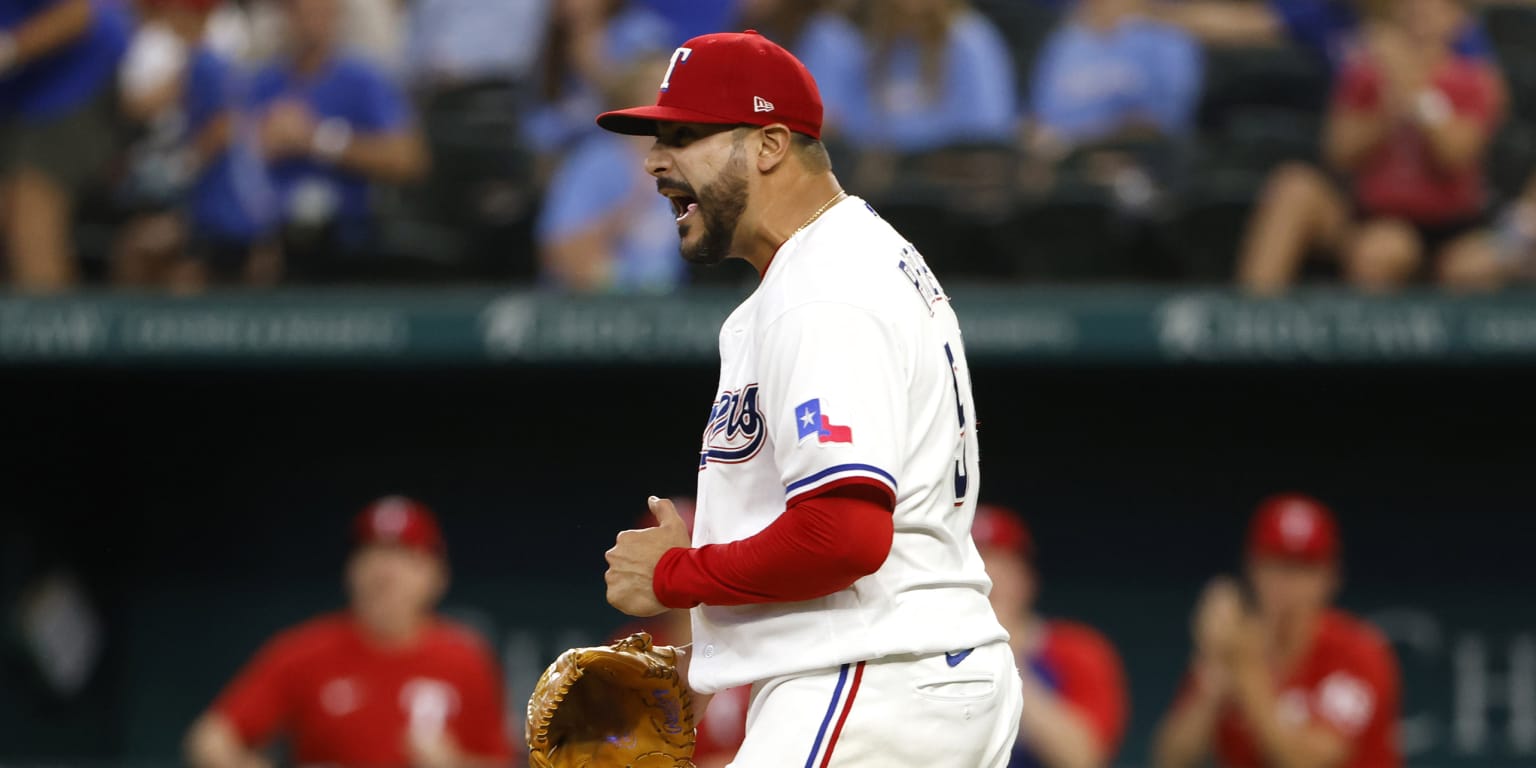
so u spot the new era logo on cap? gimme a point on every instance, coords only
(760, 104)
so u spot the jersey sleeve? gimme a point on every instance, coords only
(481, 728)
(834, 397)
(1360, 693)
(256, 702)
(1093, 685)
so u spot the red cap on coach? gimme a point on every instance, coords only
(1002, 528)
(400, 521)
(728, 78)
(1294, 526)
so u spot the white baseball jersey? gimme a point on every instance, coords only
(845, 363)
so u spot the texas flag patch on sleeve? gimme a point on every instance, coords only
(809, 420)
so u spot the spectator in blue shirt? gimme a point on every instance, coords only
(207, 209)
(603, 227)
(827, 43)
(329, 126)
(937, 74)
(587, 41)
(57, 62)
(1108, 72)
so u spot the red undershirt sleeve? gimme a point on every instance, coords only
(820, 545)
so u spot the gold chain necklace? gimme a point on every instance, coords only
(837, 198)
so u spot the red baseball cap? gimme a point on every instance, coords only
(1293, 526)
(728, 78)
(1002, 528)
(400, 521)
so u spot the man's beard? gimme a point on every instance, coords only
(727, 196)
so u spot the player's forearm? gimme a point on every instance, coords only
(1351, 138)
(1184, 738)
(1059, 736)
(389, 158)
(1456, 144)
(1282, 746)
(51, 29)
(213, 743)
(820, 546)
(1222, 22)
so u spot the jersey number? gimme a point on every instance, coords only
(961, 481)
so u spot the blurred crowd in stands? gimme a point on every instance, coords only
(181, 144)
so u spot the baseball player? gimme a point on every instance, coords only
(831, 565)
(1075, 698)
(1290, 681)
(384, 685)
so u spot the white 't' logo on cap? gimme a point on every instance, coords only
(760, 104)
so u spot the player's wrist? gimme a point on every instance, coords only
(667, 583)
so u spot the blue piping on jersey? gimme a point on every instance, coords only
(789, 489)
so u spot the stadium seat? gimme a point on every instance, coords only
(1073, 234)
(1513, 29)
(1512, 159)
(1238, 78)
(1205, 231)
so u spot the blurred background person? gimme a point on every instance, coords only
(936, 74)
(58, 60)
(454, 44)
(1327, 29)
(386, 684)
(603, 227)
(1076, 704)
(823, 39)
(723, 724)
(1409, 128)
(1287, 680)
(1109, 72)
(330, 126)
(691, 18)
(205, 209)
(586, 43)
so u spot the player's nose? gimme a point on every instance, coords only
(658, 161)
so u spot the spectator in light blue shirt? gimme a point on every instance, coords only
(827, 43)
(936, 74)
(465, 41)
(603, 227)
(586, 42)
(1108, 72)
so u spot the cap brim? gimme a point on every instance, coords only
(641, 121)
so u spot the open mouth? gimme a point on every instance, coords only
(683, 206)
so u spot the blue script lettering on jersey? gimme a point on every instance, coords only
(735, 433)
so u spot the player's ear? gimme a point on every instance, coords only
(773, 146)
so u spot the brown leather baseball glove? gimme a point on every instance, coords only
(612, 706)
